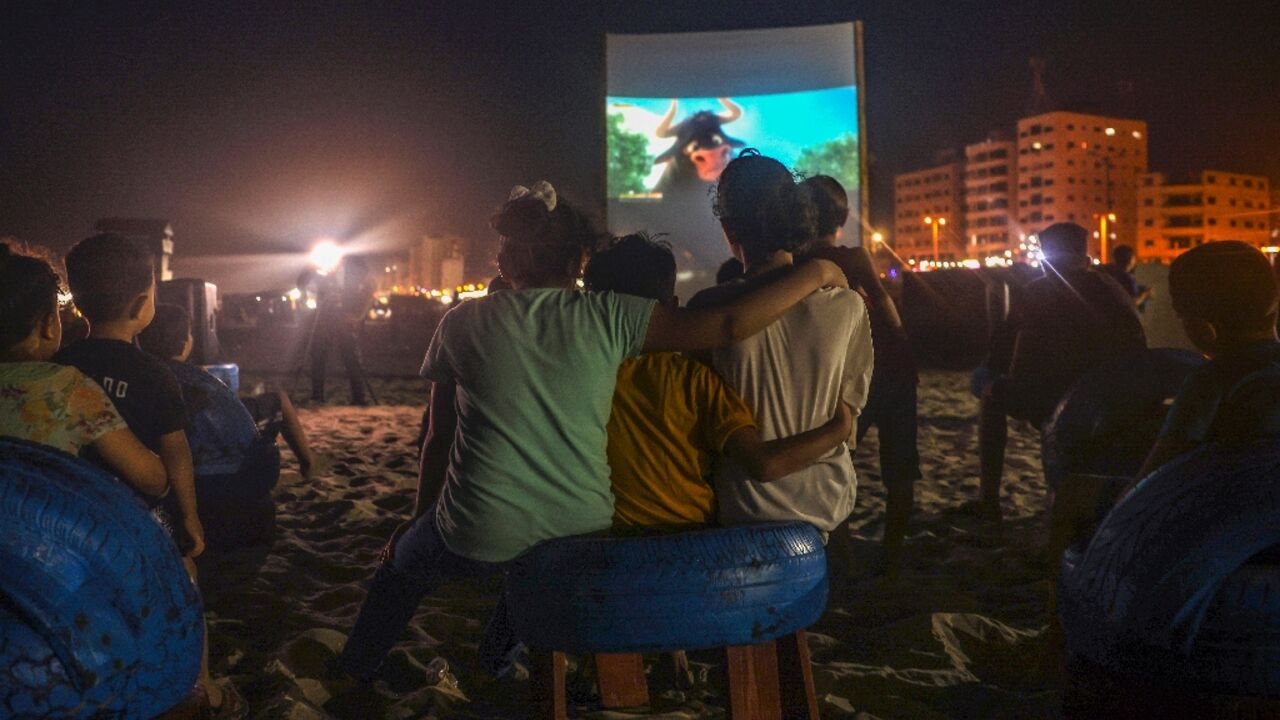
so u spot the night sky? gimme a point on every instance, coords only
(259, 128)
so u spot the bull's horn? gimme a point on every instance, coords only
(664, 127)
(735, 111)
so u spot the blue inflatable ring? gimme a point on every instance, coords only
(1172, 587)
(98, 617)
(702, 589)
(1109, 419)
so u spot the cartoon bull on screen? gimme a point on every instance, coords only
(701, 149)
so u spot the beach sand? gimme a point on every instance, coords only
(959, 634)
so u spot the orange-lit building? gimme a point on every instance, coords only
(935, 195)
(1177, 214)
(1073, 167)
(990, 182)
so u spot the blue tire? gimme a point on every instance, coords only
(98, 617)
(1169, 589)
(702, 589)
(1109, 419)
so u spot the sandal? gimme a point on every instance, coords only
(233, 707)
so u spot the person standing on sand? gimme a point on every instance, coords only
(891, 402)
(523, 387)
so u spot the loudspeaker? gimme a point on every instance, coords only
(200, 298)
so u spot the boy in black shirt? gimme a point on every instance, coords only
(1226, 297)
(113, 284)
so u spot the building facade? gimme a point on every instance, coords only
(935, 195)
(1177, 214)
(1073, 167)
(990, 184)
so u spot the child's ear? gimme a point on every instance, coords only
(1200, 332)
(51, 327)
(138, 306)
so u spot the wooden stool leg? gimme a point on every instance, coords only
(753, 682)
(795, 678)
(546, 683)
(622, 680)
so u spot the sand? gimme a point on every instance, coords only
(959, 634)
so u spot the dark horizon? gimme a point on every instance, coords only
(259, 129)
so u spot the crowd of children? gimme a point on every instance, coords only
(557, 412)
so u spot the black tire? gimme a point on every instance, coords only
(703, 589)
(99, 617)
(1109, 419)
(1165, 589)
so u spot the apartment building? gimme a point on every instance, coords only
(1074, 167)
(1177, 214)
(990, 183)
(925, 201)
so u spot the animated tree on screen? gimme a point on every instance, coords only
(658, 146)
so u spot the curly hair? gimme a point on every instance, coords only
(762, 208)
(541, 246)
(28, 292)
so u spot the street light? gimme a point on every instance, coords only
(934, 225)
(1103, 219)
(877, 237)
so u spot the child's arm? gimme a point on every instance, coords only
(295, 436)
(137, 466)
(437, 448)
(766, 461)
(434, 460)
(680, 329)
(175, 453)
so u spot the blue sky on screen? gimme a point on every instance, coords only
(778, 125)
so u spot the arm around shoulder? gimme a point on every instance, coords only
(676, 329)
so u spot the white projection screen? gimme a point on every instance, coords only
(679, 106)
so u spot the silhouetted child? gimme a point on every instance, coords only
(1225, 295)
(52, 404)
(673, 416)
(1062, 325)
(794, 373)
(169, 338)
(1120, 268)
(891, 402)
(113, 284)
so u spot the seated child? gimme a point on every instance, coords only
(802, 366)
(52, 404)
(168, 337)
(1225, 295)
(113, 285)
(673, 416)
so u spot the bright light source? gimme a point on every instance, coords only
(446, 299)
(1271, 249)
(1137, 135)
(1036, 145)
(295, 294)
(942, 221)
(877, 237)
(1111, 217)
(325, 256)
(311, 303)
(1110, 131)
(928, 220)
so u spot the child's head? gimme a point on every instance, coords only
(169, 334)
(544, 238)
(1124, 257)
(1224, 293)
(635, 265)
(29, 322)
(1065, 244)
(112, 280)
(831, 203)
(761, 208)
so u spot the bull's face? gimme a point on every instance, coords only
(709, 156)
